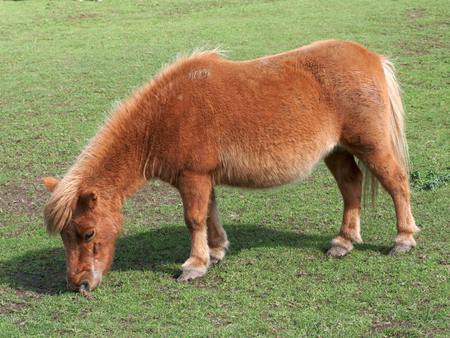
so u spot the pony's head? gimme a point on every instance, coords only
(89, 224)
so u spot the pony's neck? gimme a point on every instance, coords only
(116, 160)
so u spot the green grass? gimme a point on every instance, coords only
(64, 63)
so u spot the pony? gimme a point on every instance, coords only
(206, 120)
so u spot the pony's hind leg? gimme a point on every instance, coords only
(385, 166)
(349, 179)
(217, 237)
(195, 190)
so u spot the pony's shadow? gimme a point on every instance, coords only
(43, 271)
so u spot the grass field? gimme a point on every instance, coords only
(63, 64)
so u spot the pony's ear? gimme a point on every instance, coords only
(50, 183)
(88, 200)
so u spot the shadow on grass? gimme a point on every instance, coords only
(43, 271)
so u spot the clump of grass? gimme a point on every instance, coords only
(429, 181)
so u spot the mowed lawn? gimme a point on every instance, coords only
(63, 65)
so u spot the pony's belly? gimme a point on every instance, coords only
(255, 178)
(269, 170)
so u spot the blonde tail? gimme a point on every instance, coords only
(398, 116)
(397, 130)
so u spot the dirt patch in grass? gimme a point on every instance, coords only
(156, 203)
(415, 14)
(151, 203)
(12, 307)
(422, 47)
(24, 298)
(26, 197)
(384, 324)
(155, 194)
(412, 47)
(82, 16)
(29, 197)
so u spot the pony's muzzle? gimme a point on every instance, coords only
(84, 286)
(83, 283)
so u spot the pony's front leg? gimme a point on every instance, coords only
(217, 237)
(195, 190)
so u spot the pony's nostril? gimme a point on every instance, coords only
(84, 286)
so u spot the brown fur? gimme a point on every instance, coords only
(206, 120)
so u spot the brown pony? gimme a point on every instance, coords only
(206, 120)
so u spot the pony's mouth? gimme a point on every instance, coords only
(84, 286)
(85, 290)
(87, 283)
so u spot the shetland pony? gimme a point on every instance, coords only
(205, 121)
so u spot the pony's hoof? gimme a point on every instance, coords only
(190, 274)
(337, 251)
(214, 260)
(216, 255)
(400, 248)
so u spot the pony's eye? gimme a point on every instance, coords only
(88, 235)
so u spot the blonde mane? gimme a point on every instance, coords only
(62, 202)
